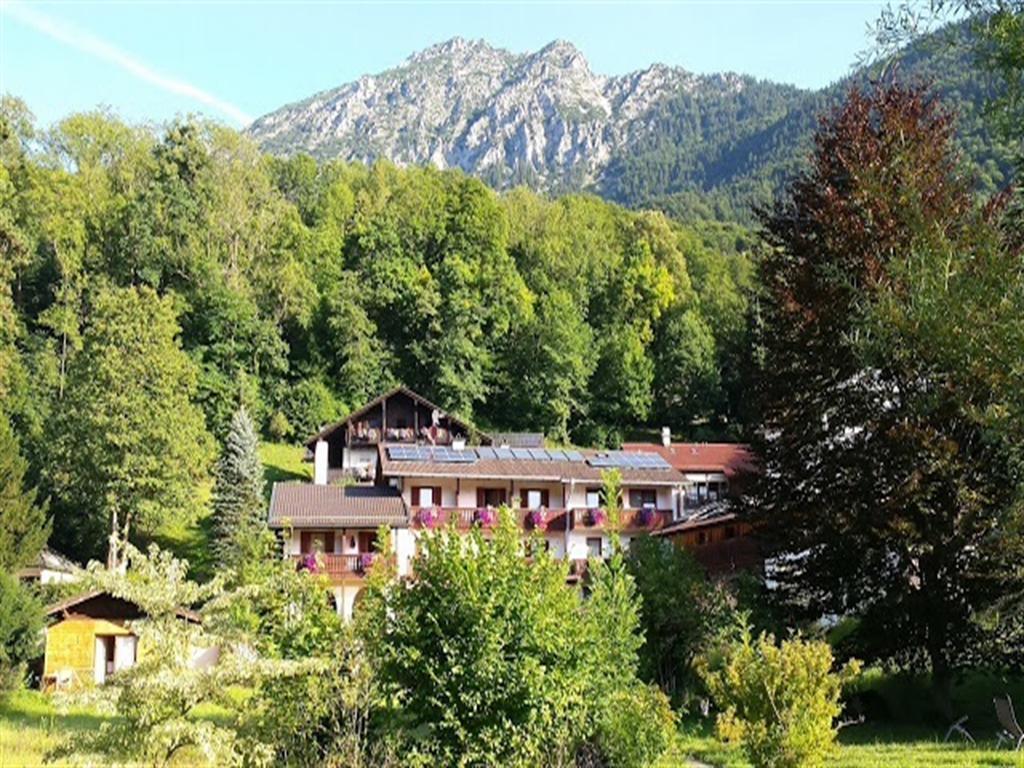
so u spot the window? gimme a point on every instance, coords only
(424, 497)
(703, 492)
(593, 546)
(642, 497)
(490, 497)
(534, 498)
(593, 498)
(730, 531)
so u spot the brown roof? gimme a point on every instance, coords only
(323, 433)
(304, 505)
(524, 469)
(729, 458)
(107, 605)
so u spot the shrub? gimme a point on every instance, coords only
(21, 619)
(636, 727)
(778, 701)
(279, 428)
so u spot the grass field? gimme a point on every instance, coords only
(865, 746)
(30, 724)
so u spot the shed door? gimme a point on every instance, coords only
(124, 652)
(100, 660)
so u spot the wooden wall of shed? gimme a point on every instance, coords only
(71, 645)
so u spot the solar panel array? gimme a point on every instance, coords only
(430, 453)
(442, 454)
(627, 460)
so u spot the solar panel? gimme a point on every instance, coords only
(401, 453)
(503, 453)
(539, 454)
(451, 456)
(629, 460)
(556, 455)
(486, 452)
(574, 456)
(521, 453)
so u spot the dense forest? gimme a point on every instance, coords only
(301, 290)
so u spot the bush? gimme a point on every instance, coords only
(778, 701)
(682, 612)
(636, 727)
(21, 623)
(279, 428)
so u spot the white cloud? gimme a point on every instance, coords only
(94, 46)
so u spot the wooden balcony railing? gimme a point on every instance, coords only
(335, 566)
(467, 517)
(632, 520)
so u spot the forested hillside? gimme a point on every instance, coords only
(153, 281)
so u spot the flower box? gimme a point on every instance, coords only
(485, 517)
(646, 516)
(309, 563)
(429, 517)
(366, 560)
(538, 519)
(595, 516)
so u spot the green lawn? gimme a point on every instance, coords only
(30, 725)
(864, 746)
(283, 461)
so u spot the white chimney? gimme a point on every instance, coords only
(458, 443)
(320, 463)
(666, 436)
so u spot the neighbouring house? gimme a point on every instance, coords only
(348, 448)
(518, 439)
(91, 636)
(707, 523)
(50, 568)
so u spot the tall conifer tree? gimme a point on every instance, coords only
(24, 528)
(238, 505)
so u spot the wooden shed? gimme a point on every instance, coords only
(90, 638)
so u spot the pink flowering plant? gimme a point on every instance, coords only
(485, 516)
(646, 516)
(596, 516)
(429, 517)
(538, 519)
(366, 561)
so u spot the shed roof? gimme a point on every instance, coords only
(103, 604)
(304, 505)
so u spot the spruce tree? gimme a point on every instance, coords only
(238, 489)
(24, 527)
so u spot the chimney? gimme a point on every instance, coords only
(458, 443)
(320, 463)
(666, 436)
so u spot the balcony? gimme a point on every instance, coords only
(633, 520)
(467, 517)
(339, 566)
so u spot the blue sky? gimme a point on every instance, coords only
(232, 60)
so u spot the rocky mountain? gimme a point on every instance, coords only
(661, 136)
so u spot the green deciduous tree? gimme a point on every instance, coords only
(129, 446)
(890, 418)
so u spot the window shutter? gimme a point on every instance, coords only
(480, 497)
(329, 542)
(304, 542)
(544, 498)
